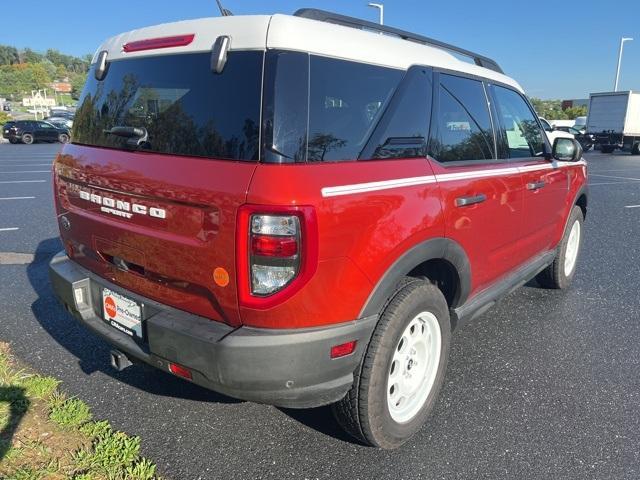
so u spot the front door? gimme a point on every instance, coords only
(545, 182)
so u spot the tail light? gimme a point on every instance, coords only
(277, 253)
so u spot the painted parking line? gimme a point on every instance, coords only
(612, 176)
(9, 229)
(612, 183)
(29, 165)
(24, 181)
(632, 206)
(26, 171)
(17, 198)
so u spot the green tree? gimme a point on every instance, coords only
(61, 72)
(573, 112)
(77, 84)
(29, 56)
(8, 55)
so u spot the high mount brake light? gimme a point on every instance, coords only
(161, 42)
(277, 252)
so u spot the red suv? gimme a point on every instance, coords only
(294, 211)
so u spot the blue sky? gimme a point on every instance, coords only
(555, 49)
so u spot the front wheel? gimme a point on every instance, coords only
(63, 138)
(560, 273)
(402, 371)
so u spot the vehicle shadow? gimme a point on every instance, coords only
(18, 404)
(90, 350)
(93, 353)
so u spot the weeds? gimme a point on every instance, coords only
(45, 434)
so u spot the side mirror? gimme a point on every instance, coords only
(566, 150)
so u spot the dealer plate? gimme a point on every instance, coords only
(122, 313)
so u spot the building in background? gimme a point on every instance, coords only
(576, 102)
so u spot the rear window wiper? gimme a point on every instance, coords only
(137, 136)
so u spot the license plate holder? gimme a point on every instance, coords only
(122, 313)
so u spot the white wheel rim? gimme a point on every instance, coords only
(414, 366)
(573, 245)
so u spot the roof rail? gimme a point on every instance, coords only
(330, 17)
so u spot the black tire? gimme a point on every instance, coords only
(364, 411)
(27, 138)
(635, 150)
(607, 148)
(63, 138)
(555, 275)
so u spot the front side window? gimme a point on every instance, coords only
(185, 108)
(523, 134)
(463, 130)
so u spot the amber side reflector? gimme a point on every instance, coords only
(161, 42)
(343, 349)
(180, 371)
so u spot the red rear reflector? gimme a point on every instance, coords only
(162, 42)
(180, 371)
(343, 349)
(273, 246)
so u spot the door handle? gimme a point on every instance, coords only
(535, 185)
(472, 200)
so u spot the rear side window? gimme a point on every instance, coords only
(185, 107)
(523, 134)
(319, 109)
(403, 129)
(463, 129)
(346, 100)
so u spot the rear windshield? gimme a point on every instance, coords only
(185, 108)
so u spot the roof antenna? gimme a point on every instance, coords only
(223, 11)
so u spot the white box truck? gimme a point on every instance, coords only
(614, 120)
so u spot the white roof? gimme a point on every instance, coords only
(257, 32)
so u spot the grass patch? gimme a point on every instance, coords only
(44, 434)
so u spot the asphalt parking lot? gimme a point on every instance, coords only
(544, 385)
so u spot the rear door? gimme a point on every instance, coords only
(156, 214)
(545, 182)
(482, 195)
(46, 132)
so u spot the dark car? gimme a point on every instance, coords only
(584, 139)
(30, 131)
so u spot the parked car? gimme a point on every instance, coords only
(362, 196)
(552, 132)
(60, 121)
(586, 140)
(30, 131)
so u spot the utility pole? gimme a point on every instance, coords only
(380, 8)
(622, 40)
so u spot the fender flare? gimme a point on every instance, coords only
(435, 248)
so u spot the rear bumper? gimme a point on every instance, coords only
(288, 368)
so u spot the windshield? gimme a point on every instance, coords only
(184, 107)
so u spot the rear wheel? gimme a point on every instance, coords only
(635, 150)
(63, 138)
(402, 371)
(27, 138)
(607, 148)
(560, 273)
